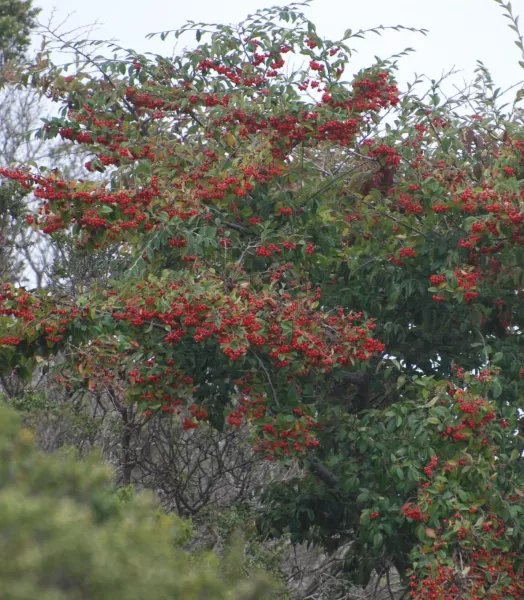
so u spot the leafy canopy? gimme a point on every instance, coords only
(17, 19)
(336, 262)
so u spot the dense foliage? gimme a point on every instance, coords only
(17, 19)
(330, 260)
(67, 534)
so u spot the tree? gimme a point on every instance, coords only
(24, 254)
(335, 263)
(17, 19)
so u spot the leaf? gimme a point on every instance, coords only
(401, 381)
(420, 532)
(478, 171)
(363, 497)
(378, 540)
(365, 518)
(432, 402)
(497, 357)
(497, 389)
(464, 496)
(431, 533)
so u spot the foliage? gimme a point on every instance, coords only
(67, 534)
(331, 261)
(259, 554)
(12, 208)
(17, 19)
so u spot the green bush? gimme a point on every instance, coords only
(66, 534)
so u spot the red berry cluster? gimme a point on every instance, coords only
(410, 511)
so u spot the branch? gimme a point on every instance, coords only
(76, 49)
(324, 474)
(275, 396)
(387, 215)
(388, 583)
(355, 378)
(238, 228)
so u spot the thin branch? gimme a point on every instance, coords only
(269, 380)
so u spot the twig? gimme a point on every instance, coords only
(269, 380)
(388, 583)
(394, 219)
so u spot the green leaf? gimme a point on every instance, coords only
(378, 540)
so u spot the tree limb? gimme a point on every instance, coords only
(324, 474)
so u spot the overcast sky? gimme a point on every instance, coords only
(460, 31)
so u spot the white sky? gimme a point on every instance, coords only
(460, 31)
